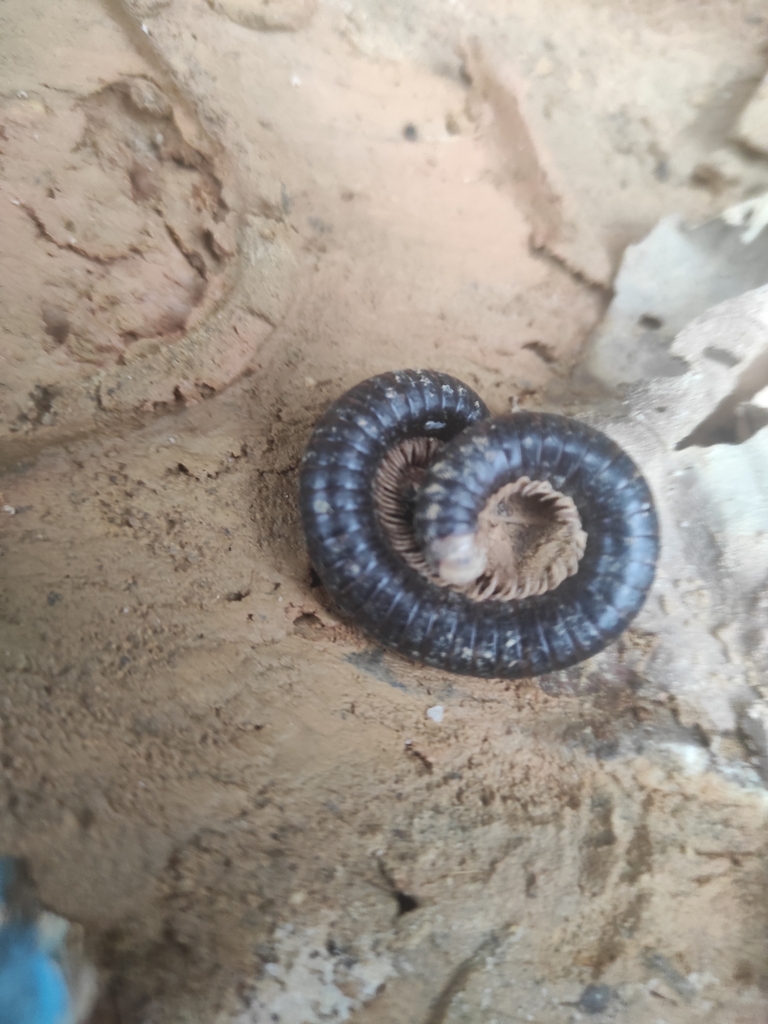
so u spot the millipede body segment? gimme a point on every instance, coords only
(427, 603)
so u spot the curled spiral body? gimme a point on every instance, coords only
(418, 603)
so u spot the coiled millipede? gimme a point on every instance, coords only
(496, 547)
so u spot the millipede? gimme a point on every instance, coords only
(499, 547)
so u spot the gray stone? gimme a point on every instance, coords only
(665, 281)
(595, 998)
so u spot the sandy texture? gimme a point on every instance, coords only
(255, 815)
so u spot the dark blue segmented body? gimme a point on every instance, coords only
(439, 626)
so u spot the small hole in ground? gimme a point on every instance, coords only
(307, 625)
(650, 322)
(405, 903)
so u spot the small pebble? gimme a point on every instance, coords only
(595, 998)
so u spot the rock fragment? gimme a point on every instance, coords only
(752, 126)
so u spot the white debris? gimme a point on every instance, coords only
(703, 447)
(752, 215)
(675, 274)
(436, 713)
(308, 984)
(691, 759)
(760, 400)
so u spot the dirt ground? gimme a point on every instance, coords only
(217, 216)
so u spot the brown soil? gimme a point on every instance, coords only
(216, 217)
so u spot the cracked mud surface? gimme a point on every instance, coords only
(217, 216)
